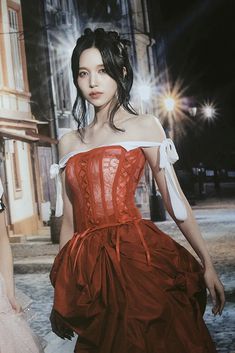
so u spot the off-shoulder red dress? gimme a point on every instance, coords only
(121, 284)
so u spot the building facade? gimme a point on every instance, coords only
(18, 128)
(62, 21)
(50, 30)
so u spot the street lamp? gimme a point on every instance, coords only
(208, 111)
(169, 104)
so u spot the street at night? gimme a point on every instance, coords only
(168, 65)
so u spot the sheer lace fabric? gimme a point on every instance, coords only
(15, 334)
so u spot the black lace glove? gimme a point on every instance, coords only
(59, 327)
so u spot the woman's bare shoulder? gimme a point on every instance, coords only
(69, 142)
(148, 128)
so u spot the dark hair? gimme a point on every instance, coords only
(114, 54)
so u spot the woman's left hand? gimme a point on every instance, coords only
(59, 327)
(216, 290)
(15, 305)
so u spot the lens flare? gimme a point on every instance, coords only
(169, 103)
(208, 112)
(172, 105)
(144, 91)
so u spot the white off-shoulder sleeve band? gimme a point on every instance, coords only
(168, 156)
(55, 174)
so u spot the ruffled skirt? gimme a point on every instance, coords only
(15, 334)
(118, 302)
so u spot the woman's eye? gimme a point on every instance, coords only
(102, 71)
(82, 73)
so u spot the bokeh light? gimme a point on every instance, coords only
(172, 105)
(144, 88)
(169, 103)
(208, 112)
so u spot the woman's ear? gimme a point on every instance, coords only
(124, 71)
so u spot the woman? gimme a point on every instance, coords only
(120, 283)
(15, 334)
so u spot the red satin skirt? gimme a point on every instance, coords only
(130, 288)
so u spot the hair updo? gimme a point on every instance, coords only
(114, 53)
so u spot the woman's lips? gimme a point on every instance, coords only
(95, 95)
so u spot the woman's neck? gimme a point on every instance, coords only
(102, 115)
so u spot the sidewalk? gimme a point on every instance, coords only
(35, 255)
(57, 345)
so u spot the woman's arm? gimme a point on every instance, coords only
(6, 263)
(188, 227)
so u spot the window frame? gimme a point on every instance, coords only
(16, 48)
(17, 180)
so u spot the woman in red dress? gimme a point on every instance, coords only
(122, 284)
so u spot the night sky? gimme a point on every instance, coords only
(200, 47)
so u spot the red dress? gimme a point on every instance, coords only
(121, 284)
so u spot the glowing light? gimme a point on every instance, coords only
(169, 103)
(208, 111)
(144, 88)
(144, 91)
(61, 47)
(172, 106)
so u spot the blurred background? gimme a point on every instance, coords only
(182, 53)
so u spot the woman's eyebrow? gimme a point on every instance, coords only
(85, 68)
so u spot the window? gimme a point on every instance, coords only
(16, 170)
(104, 11)
(63, 5)
(61, 80)
(15, 49)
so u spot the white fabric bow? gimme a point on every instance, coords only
(55, 174)
(54, 170)
(168, 156)
(168, 153)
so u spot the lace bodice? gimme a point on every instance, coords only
(102, 182)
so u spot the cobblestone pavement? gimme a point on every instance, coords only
(218, 228)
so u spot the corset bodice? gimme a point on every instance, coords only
(101, 185)
(101, 182)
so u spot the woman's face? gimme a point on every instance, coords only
(96, 85)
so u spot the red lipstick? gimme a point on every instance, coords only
(95, 94)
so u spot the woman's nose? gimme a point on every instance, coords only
(93, 81)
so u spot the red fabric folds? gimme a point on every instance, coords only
(122, 284)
